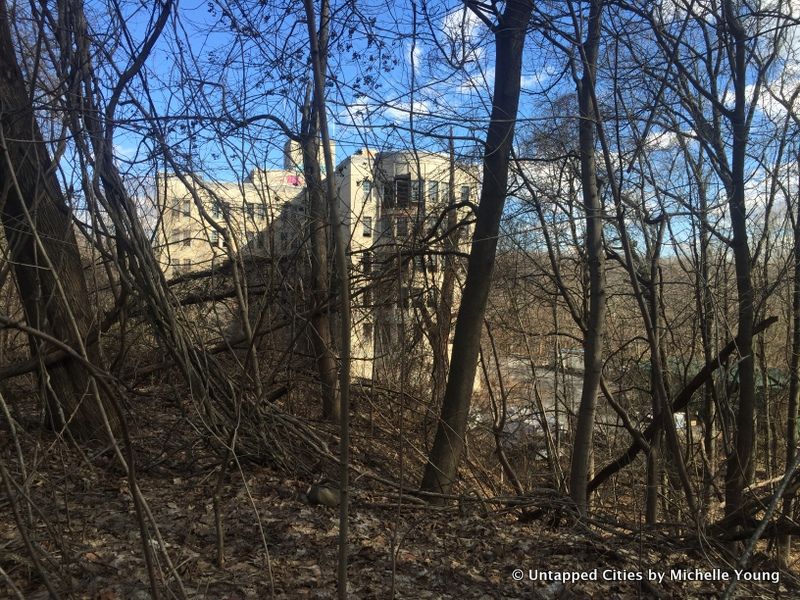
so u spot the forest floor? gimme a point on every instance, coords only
(278, 546)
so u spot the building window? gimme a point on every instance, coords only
(367, 226)
(385, 226)
(261, 211)
(402, 227)
(433, 192)
(403, 191)
(433, 263)
(251, 210)
(213, 237)
(388, 195)
(187, 263)
(417, 187)
(366, 187)
(187, 208)
(430, 223)
(187, 241)
(367, 331)
(216, 211)
(366, 263)
(419, 263)
(465, 193)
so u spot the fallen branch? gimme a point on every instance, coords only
(680, 403)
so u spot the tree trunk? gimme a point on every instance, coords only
(705, 311)
(738, 465)
(319, 47)
(593, 207)
(785, 541)
(448, 446)
(680, 402)
(654, 467)
(440, 332)
(46, 261)
(321, 338)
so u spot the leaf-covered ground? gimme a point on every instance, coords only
(278, 546)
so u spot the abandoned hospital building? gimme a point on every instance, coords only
(406, 216)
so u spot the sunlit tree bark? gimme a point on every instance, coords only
(445, 456)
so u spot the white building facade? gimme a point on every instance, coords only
(395, 207)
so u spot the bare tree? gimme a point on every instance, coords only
(46, 262)
(340, 248)
(743, 61)
(510, 30)
(319, 226)
(593, 207)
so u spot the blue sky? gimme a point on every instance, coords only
(380, 73)
(219, 62)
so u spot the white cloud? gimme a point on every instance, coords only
(357, 114)
(480, 81)
(779, 95)
(461, 23)
(418, 54)
(464, 33)
(540, 78)
(400, 111)
(124, 151)
(661, 140)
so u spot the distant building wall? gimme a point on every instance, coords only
(205, 223)
(293, 156)
(393, 209)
